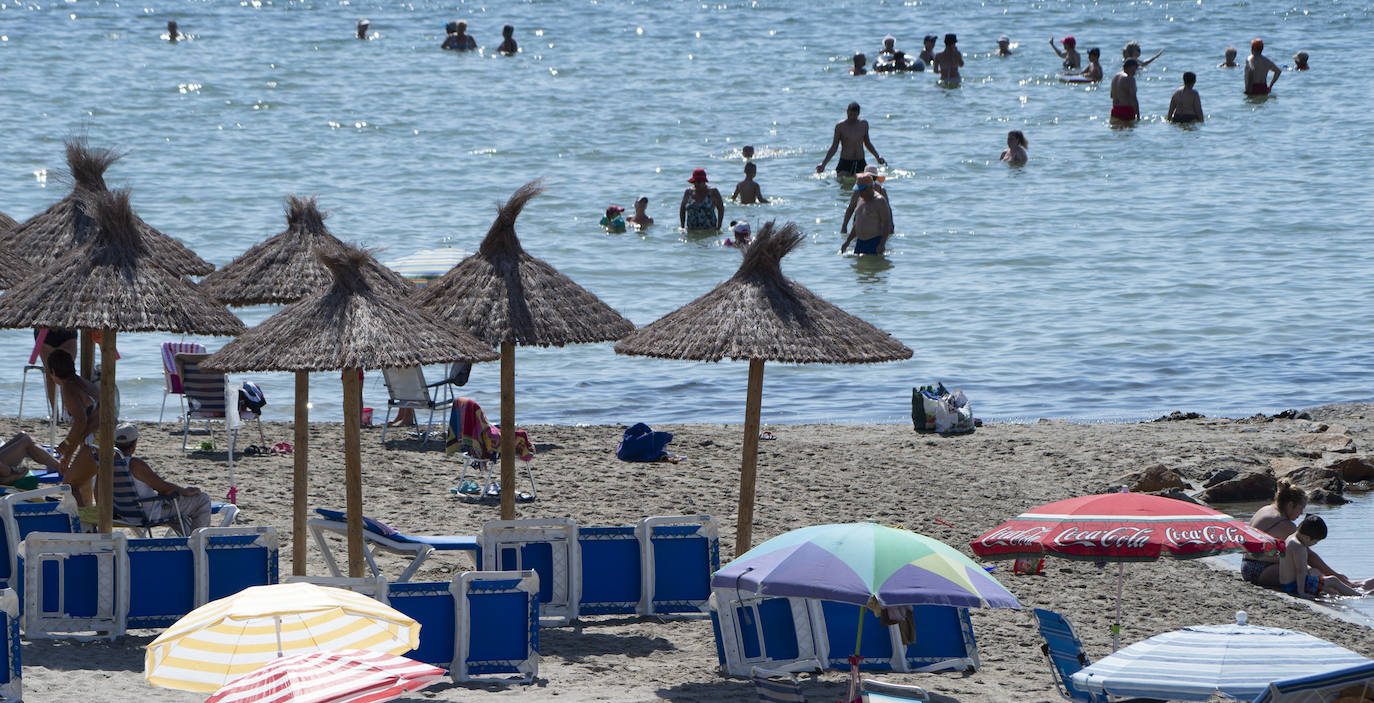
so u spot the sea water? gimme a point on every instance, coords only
(1122, 273)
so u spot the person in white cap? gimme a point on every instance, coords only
(190, 502)
(1004, 45)
(889, 48)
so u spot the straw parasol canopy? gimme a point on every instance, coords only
(284, 268)
(13, 268)
(506, 297)
(7, 223)
(761, 315)
(352, 326)
(113, 283)
(66, 225)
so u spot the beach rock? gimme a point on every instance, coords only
(1283, 465)
(1313, 478)
(1255, 485)
(1220, 476)
(1326, 442)
(1176, 494)
(1318, 496)
(1359, 468)
(1291, 414)
(1150, 479)
(1177, 415)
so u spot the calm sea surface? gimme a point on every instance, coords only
(1121, 274)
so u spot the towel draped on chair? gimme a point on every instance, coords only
(469, 430)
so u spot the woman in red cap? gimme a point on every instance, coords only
(702, 207)
(1069, 54)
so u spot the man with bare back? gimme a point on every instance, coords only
(851, 137)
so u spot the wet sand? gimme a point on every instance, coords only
(950, 488)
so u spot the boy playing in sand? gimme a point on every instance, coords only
(1186, 105)
(747, 192)
(1296, 578)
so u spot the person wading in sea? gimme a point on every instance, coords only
(851, 137)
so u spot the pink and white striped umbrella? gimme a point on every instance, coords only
(350, 676)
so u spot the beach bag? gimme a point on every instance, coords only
(924, 401)
(641, 443)
(953, 414)
(251, 399)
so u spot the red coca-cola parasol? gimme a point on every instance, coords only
(1121, 527)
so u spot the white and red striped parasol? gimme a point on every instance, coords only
(349, 676)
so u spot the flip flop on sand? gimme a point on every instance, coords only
(281, 448)
(767, 435)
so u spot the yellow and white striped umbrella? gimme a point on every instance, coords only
(225, 639)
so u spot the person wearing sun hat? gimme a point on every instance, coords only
(702, 207)
(1072, 61)
(613, 221)
(872, 219)
(1004, 45)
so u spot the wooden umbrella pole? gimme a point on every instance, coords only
(744, 528)
(105, 477)
(87, 352)
(507, 430)
(300, 482)
(353, 471)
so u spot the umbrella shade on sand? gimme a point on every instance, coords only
(350, 326)
(113, 283)
(66, 225)
(279, 271)
(506, 297)
(227, 638)
(761, 315)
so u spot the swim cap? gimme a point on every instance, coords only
(740, 228)
(1069, 41)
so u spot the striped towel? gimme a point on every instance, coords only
(169, 361)
(469, 431)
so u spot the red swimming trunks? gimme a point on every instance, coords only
(1124, 113)
(1258, 89)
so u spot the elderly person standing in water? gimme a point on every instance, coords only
(1257, 70)
(701, 207)
(851, 137)
(872, 219)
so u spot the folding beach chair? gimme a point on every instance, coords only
(379, 536)
(612, 570)
(547, 547)
(678, 556)
(776, 686)
(71, 585)
(208, 398)
(131, 511)
(230, 559)
(171, 375)
(1065, 652)
(469, 432)
(883, 692)
(406, 388)
(434, 606)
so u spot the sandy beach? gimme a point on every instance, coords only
(951, 488)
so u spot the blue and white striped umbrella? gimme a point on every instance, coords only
(1238, 661)
(1355, 682)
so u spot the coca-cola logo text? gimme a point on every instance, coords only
(1125, 537)
(1014, 537)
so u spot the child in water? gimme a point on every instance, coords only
(740, 230)
(613, 221)
(747, 192)
(641, 218)
(508, 45)
(1015, 154)
(1296, 578)
(1230, 61)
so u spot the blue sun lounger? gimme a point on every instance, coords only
(230, 559)
(497, 630)
(11, 674)
(48, 509)
(379, 536)
(71, 585)
(159, 580)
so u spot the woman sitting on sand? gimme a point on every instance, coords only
(1278, 520)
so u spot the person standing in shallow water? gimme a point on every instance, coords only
(1186, 105)
(363, 26)
(1125, 107)
(458, 38)
(1257, 69)
(172, 34)
(850, 138)
(1070, 54)
(508, 45)
(701, 207)
(947, 62)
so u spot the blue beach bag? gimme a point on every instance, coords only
(641, 443)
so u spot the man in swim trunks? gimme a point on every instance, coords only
(1125, 108)
(872, 219)
(851, 137)
(947, 62)
(1257, 69)
(1186, 105)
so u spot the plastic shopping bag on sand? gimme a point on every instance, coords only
(953, 414)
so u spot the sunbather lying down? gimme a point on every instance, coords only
(13, 453)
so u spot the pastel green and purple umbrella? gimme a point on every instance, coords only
(865, 564)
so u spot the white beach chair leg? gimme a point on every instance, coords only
(325, 551)
(162, 409)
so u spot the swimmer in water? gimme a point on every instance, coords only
(172, 34)
(1004, 45)
(1132, 51)
(508, 45)
(1300, 61)
(1072, 62)
(363, 26)
(851, 137)
(859, 61)
(1230, 56)
(612, 220)
(747, 151)
(747, 192)
(947, 62)
(1186, 105)
(889, 47)
(740, 231)
(1091, 74)
(1125, 107)
(1015, 154)
(927, 55)
(458, 38)
(641, 218)
(1257, 69)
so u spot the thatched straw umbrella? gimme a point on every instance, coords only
(7, 223)
(13, 269)
(353, 326)
(506, 297)
(761, 315)
(66, 225)
(282, 270)
(113, 283)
